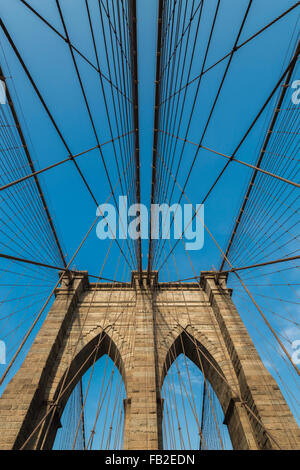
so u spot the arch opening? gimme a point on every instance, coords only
(193, 418)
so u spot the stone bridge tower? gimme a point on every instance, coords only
(145, 325)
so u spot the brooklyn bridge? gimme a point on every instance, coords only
(175, 332)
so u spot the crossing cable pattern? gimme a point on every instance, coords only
(169, 135)
(27, 229)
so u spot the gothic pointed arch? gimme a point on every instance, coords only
(101, 344)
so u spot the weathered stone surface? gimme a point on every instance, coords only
(144, 327)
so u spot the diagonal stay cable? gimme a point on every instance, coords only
(210, 113)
